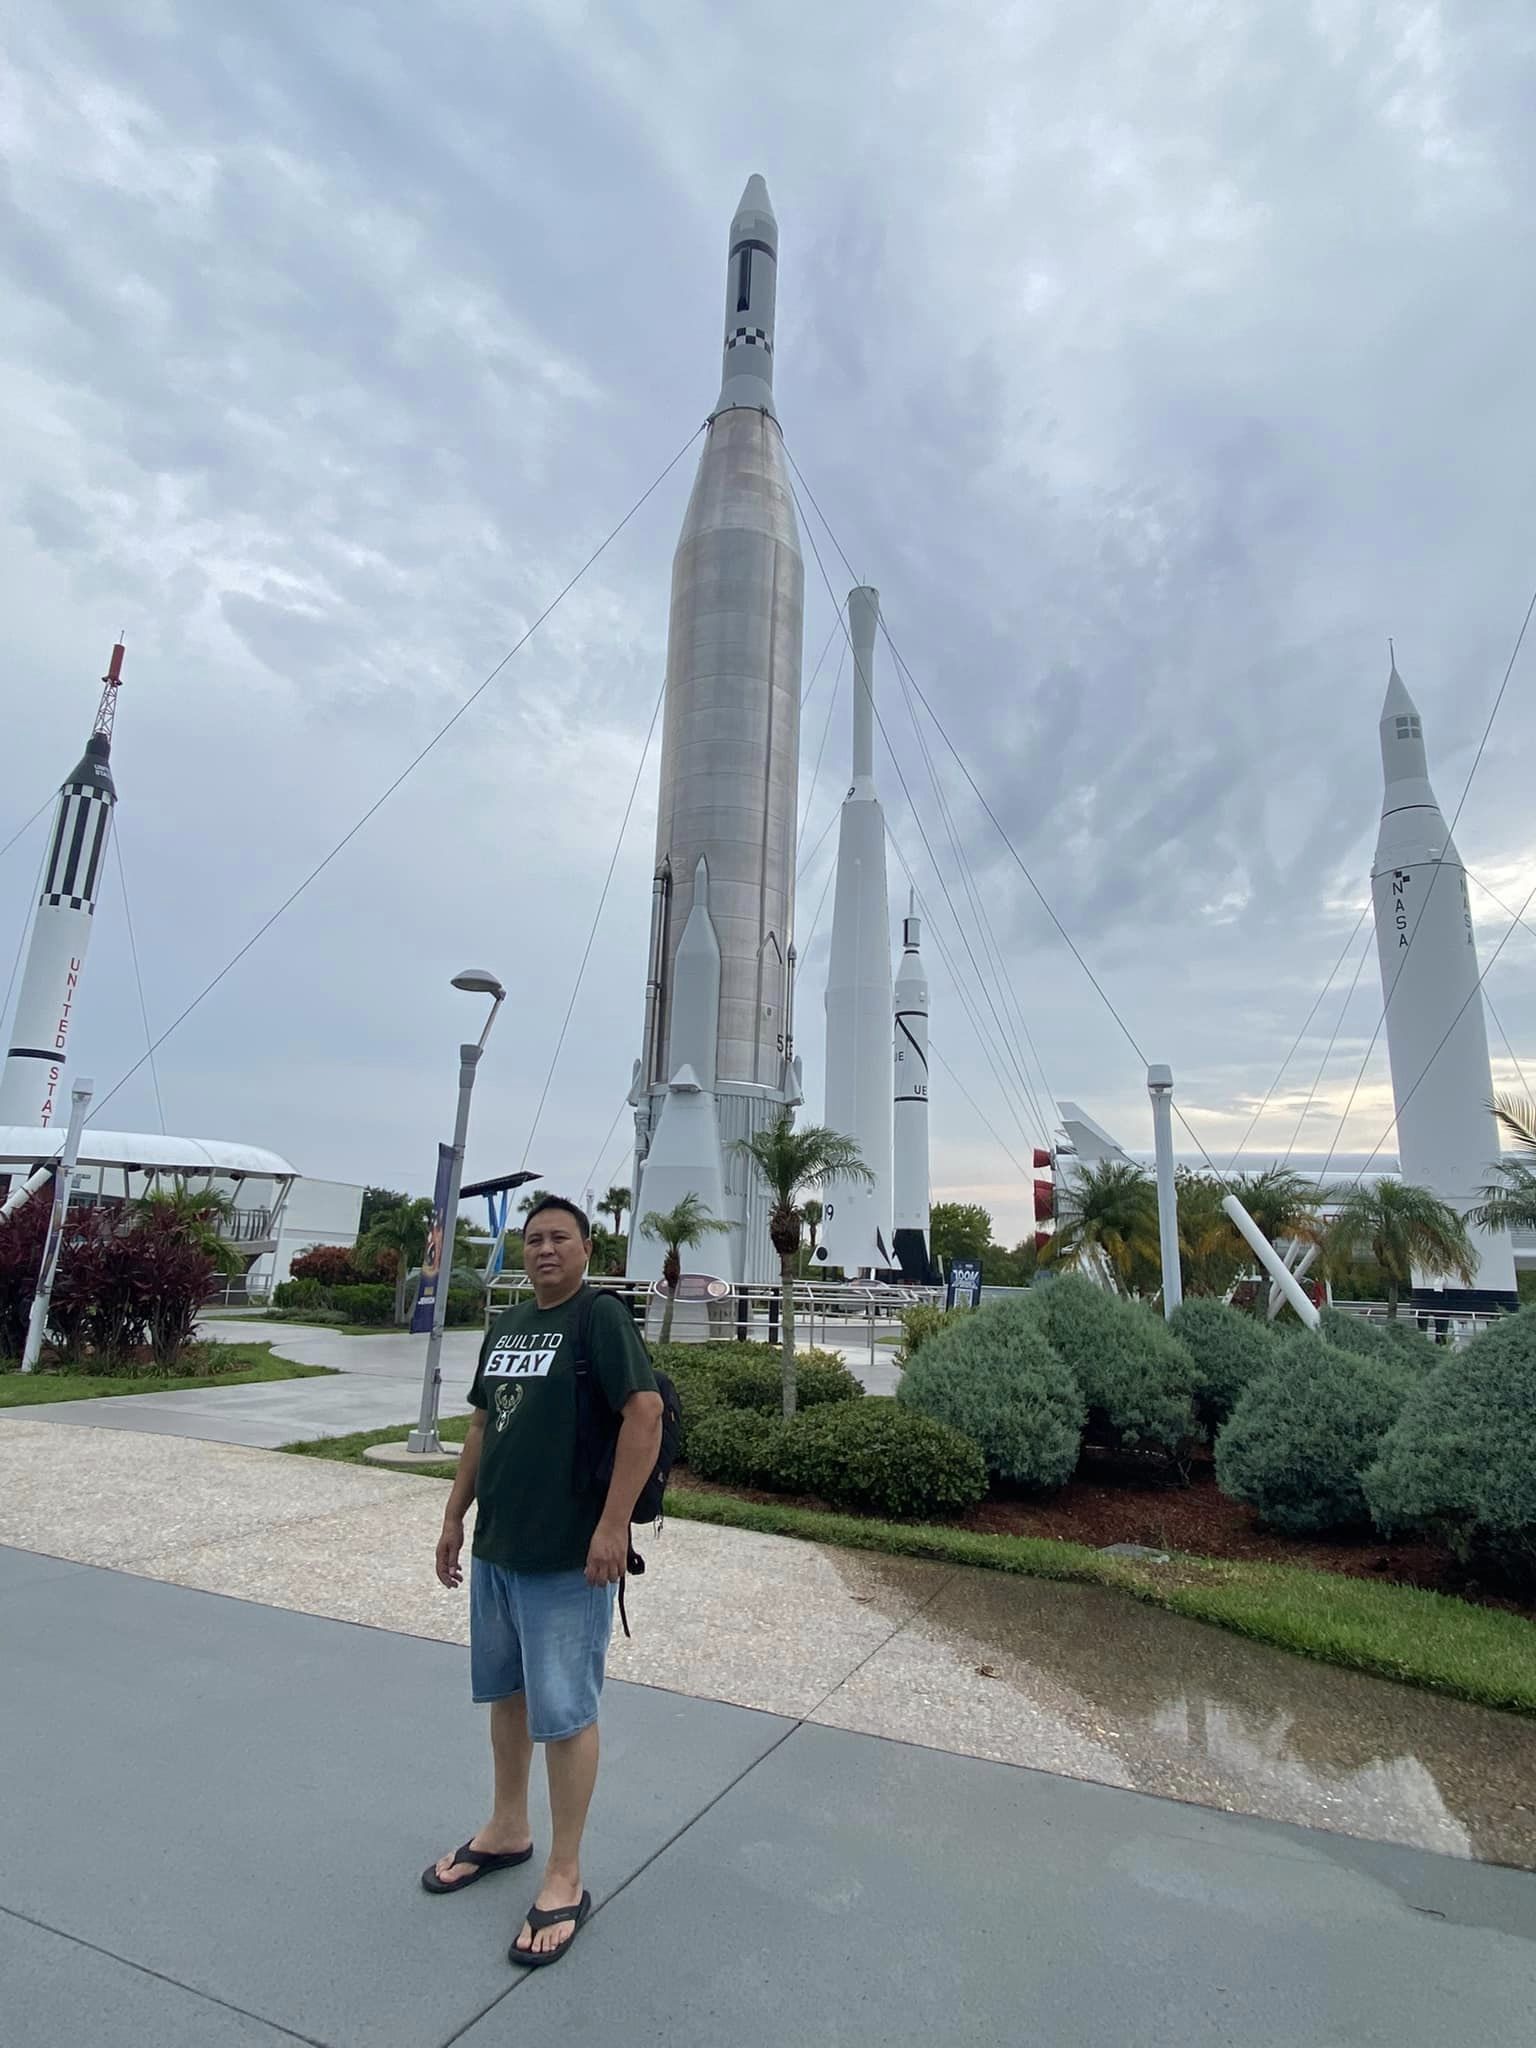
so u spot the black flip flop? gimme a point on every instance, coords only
(540, 1917)
(484, 1863)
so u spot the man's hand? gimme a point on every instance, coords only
(608, 1557)
(449, 1545)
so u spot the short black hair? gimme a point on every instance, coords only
(570, 1208)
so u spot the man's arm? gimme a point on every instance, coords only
(451, 1542)
(634, 1460)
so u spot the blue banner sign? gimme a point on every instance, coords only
(432, 1274)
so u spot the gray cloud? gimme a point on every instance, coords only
(1156, 364)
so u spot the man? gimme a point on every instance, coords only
(548, 1554)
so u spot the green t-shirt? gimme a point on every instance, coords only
(529, 1514)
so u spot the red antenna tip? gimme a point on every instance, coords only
(114, 672)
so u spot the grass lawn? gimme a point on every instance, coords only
(1425, 1639)
(248, 1364)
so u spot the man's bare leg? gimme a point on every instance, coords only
(506, 1833)
(572, 1768)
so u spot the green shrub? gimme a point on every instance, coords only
(1136, 1377)
(879, 1458)
(869, 1455)
(1460, 1462)
(300, 1294)
(1229, 1349)
(924, 1320)
(729, 1357)
(466, 1306)
(364, 1304)
(1304, 1434)
(1380, 1337)
(759, 1384)
(994, 1377)
(735, 1446)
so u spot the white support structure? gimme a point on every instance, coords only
(1272, 1262)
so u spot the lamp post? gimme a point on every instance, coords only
(424, 1439)
(1160, 1088)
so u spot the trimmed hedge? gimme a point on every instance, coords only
(875, 1456)
(735, 1446)
(363, 1304)
(1460, 1462)
(760, 1385)
(926, 1319)
(1303, 1436)
(1136, 1377)
(731, 1376)
(994, 1377)
(299, 1294)
(1230, 1350)
(1381, 1337)
(867, 1454)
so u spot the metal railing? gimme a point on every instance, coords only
(843, 1312)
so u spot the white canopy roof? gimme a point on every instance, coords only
(29, 1145)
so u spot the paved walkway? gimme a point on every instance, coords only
(1074, 1680)
(216, 1813)
(379, 1385)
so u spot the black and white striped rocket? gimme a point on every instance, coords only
(32, 1088)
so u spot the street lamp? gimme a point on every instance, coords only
(1160, 1088)
(424, 1439)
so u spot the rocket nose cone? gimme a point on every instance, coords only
(756, 209)
(1397, 703)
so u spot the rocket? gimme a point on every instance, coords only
(1447, 1136)
(909, 1173)
(32, 1087)
(729, 784)
(685, 1155)
(856, 1220)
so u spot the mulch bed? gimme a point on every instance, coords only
(1112, 1500)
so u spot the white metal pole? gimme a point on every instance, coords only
(1272, 1262)
(1160, 1088)
(37, 1322)
(424, 1437)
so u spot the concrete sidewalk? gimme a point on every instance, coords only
(378, 1387)
(1071, 1679)
(216, 1814)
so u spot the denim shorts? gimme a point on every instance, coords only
(540, 1633)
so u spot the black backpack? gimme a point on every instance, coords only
(597, 1439)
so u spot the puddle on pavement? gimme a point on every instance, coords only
(1085, 1682)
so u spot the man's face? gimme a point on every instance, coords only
(555, 1253)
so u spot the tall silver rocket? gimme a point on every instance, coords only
(856, 1219)
(729, 773)
(32, 1088)
(1437, 1037)
(909, 1174)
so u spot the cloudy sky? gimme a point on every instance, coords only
(1157, 361)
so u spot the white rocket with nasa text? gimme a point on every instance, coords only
(1437, 1038)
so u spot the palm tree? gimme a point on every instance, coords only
(677, 1228)
(613, 1204)
(793, 1164)
(1509, 1199)
(1404, 1229)
(403, 1231)
(1210, 1250)
(531, 1201)
(812, 1212)
(1282, 1202)
(1108, 1219)
(196, 1215)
